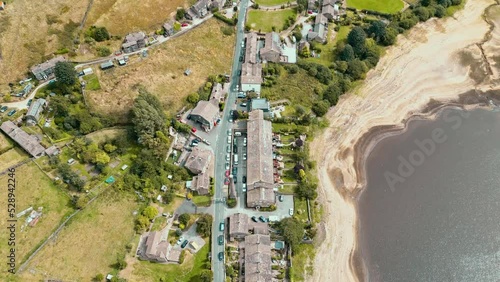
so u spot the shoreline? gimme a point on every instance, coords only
(417, 78)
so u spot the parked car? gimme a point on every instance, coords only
(239, 72)
(235, 170)
(229, 140)
(184, 244)
(221, 256)
(235, 149)
(229, 132)
(3, 109)
(244, 157)
(11, 113)
(228, 157)
(261, 218)
(281, 198)
(241, 59)
(244, 179)
(227, 165)
(227, 173)
(228, 149)
(226, 181)
(184, 24)
(243, 104)
(193, 129)
(235, 179)
(244, 188)
(254, 219)
(290, 212)
(180, 240)
(221, 226)
(29, 102)
(221, 239)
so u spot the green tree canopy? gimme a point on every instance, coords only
(356, 69)
(356, 38)
(150, 212)
(292, 230)
(65, 73)
(204, 225)
(347, 53)
(320, 108)
(184, 218)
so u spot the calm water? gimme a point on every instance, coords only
(439, 221)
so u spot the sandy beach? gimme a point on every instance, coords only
(435, 61)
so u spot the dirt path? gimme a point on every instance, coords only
(427, 63)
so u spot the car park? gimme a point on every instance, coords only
(261, 218)
(184, 244)
(221, 256)
(244, 179)
(221, 226)
(221, 239)
(254, 219)
(290, 212)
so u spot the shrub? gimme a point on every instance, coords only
(103, 51)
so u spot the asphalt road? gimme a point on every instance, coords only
(220, 149)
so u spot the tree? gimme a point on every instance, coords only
(422, 13)
(440, 11)
(99, 33)
(306, 190)
(121, 263)
(390, 35)
(180, 14)
(297, 35)
(7, 98)
(204, 225)
(206, 275)
(356, 38)
(356, 69)
(292, 230)
(332, 93)
(444, 3)
(141, 223)
(300, 110)
(347, 53)
(302, 175)
(184, 218)
(110, 148)
(99, 277)
(150, 212)
(65, 73)
(377, 30)
(320, 108)
(103, 51)
(193, 98)
(425, 2)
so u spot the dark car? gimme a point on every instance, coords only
(235, 149)
(11, 113)
(241, 59)
(261, 218)
(221, 239)
(226, 181)
(235, 180)
(281, 198)
(239, 72)
(29, 102)
(235, 170)
(254, 219)
(3, 109)
(184, 244)
(244, 179)
(221, 256)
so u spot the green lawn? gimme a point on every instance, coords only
(271, 2)
(202, 201)
(92, 82)
(298, 88)
(265, 20)
(383, 6)
(326, 57)
(300, 207)
(188, 271)
(302, 262)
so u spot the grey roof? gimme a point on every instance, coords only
(107, 64)
(201, 183)
(135, 36)
(260, 178)
(260, 104)
(155, 245)
(200, 5)
(168, 25)
(328, 3)
(206, 110)
(238, 224)
(218, 92)
(328, 11)
(47, 64)
(251, 70)
(29, 143)
(272, 43)
(258, 258)
(36, 107)
(199, 160)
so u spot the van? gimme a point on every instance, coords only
(237, 133)
(221, 226)
(236, 159)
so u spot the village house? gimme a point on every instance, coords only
(258, 258)
(199, 10)
(251, 70)
(154, 246)
(200, 162)
(238, 226)
(134, 41)
(201, 184)
(205, 113)
(217, 4)
(45, 70)
(34, 111)
(272, 50)
(218, 94)
(29, 143)
(260, 180)
(331, 10)
(311, 5)
(319, 31)
(168, 28)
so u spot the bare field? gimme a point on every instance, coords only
(4, 142)
(25, 40)
(90, 244)
(12, 157)
(123, 16)
(105, 134)
(204, 50)
(33, 189)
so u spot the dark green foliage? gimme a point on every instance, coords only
(204, 225)
(179, 15)
(320, 72)
(305, 190)
(297, 35)
(206, 275)
(389, 37)
(184, 218)
(440, 11)
(377, 30)
(99, 33)
(456, 2)
(356, 38)
(444, 3)
(103, 51)
(332, 94)
(70, 177)
(292, 230)
(65, 73)
(422, 13)
(425, 2)
(356, 69)
(223, 18)
(320, 108)
(347, 53)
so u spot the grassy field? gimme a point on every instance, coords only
(29, 193)
(265, 20)
(90, 243)
(106, 134)
(204, 50)
(326, 57)
(92, 82)
(5, 143)
(123, 16)
(383, 6)
(302, 262)
(298, 88)
(12, 157)
(26, 40)
(188, 271)
(202, 201)
(271, 2)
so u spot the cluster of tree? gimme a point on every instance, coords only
(180, 127)
(65, 73)
(225, 19)
(179, 15)
(320, 72)
(301, 5)
(289, 22)
(292, 230)
(144, 219)
(98, 33)
(89, 152)
(184, 220)
(149, 123)
(70, 177)
(204, 225)
(103, 51)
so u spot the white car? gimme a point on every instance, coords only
(227, 166)
(244, 157)
(244, 188)
(181, 239)
(229, 140)
(229, 132)
(228, 157)
(290, 212)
